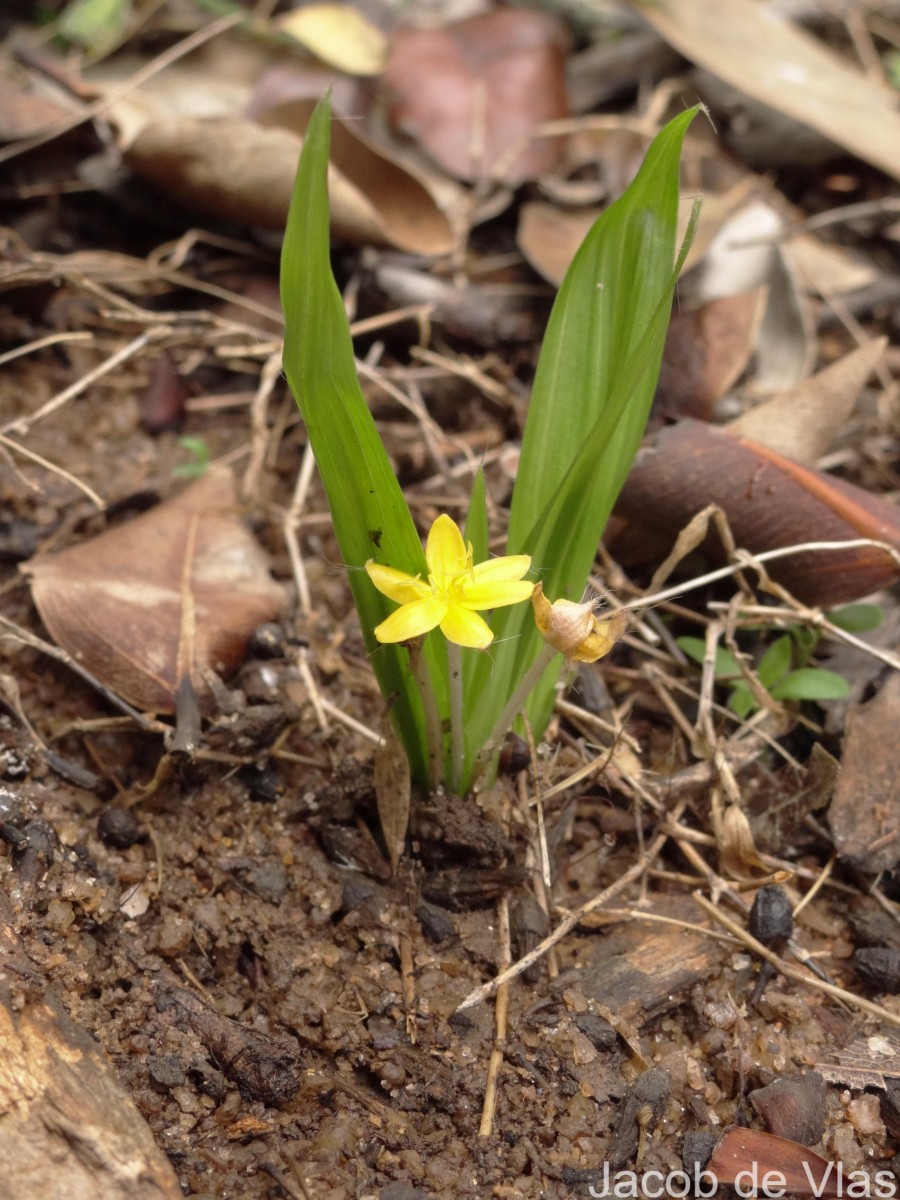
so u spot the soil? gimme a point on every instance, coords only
(281, 1009)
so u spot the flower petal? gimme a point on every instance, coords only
(445, 552)
(511, 566)
(466, 628)
(601, 639)
(412, 620)
(397, 585)
(495, 595)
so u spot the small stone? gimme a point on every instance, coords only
(166, 1072)
(118, 827)
(864, 1115)
(174, 936)
(269, 881)
(793, 1108)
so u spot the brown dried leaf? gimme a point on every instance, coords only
(737, 850)
(338, 34)
(158, 602)
(707, 349)
(392, 792)
(234, 169)
(473, 92)
(746, 1156)
(777, 820)
(775, 62)
(549, 236)
(804, 421)
(869, 1061)
(865, 812)
(770, 502)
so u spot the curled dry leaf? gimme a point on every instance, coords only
(474, 93)
(747, 1156)
(161, 600)
(549, 236)
(392, 792)
(707, 350)
(738, 856)
(233, 169)
(804, 421)
(744, 254)
(864, 815)
(774, 61)
(339, 35)
(770, 502)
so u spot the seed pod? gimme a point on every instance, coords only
(771, 917)
(771, 922)
(118, 827)
(879, 967)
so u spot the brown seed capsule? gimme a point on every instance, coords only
(771, 917)
(879, 967)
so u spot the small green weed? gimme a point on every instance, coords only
(784, 669)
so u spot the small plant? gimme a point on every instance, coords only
(453, 681)
(199, 464)
(784, 669)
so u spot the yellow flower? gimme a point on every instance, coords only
(456, 589)
(572, 628)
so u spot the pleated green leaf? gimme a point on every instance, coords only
(589, 406)
(371, 517)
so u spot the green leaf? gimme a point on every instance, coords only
(695, 648)
(775, 662)
(94, 24)
(199, 452)
(742, 702)
(589, 406)
(371, 517)
(476, 530)
(857, 618)
(812, 683)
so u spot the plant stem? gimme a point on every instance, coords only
(457, 731)
(422, 676)
(514, 706)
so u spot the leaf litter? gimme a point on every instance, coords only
(289, 981)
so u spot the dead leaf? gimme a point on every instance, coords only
(865, 813)
(197, 133)
(755, 50)
(475, 91)
(868, 1062)
(405, 203)
(339, 35)
(392, 792)
(737, 851)
(233, 169)
(27, 105)
(775, 820)
(745, 1157)
(770, 502)
(707, 350)
(745, 254)
(804, 421)
(162, 599)
(549, 236)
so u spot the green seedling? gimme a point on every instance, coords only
(456, 648)
(784, 669)
(199, 464)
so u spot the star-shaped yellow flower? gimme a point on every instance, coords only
(456, 590)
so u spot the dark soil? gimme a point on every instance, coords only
(282, 1010)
